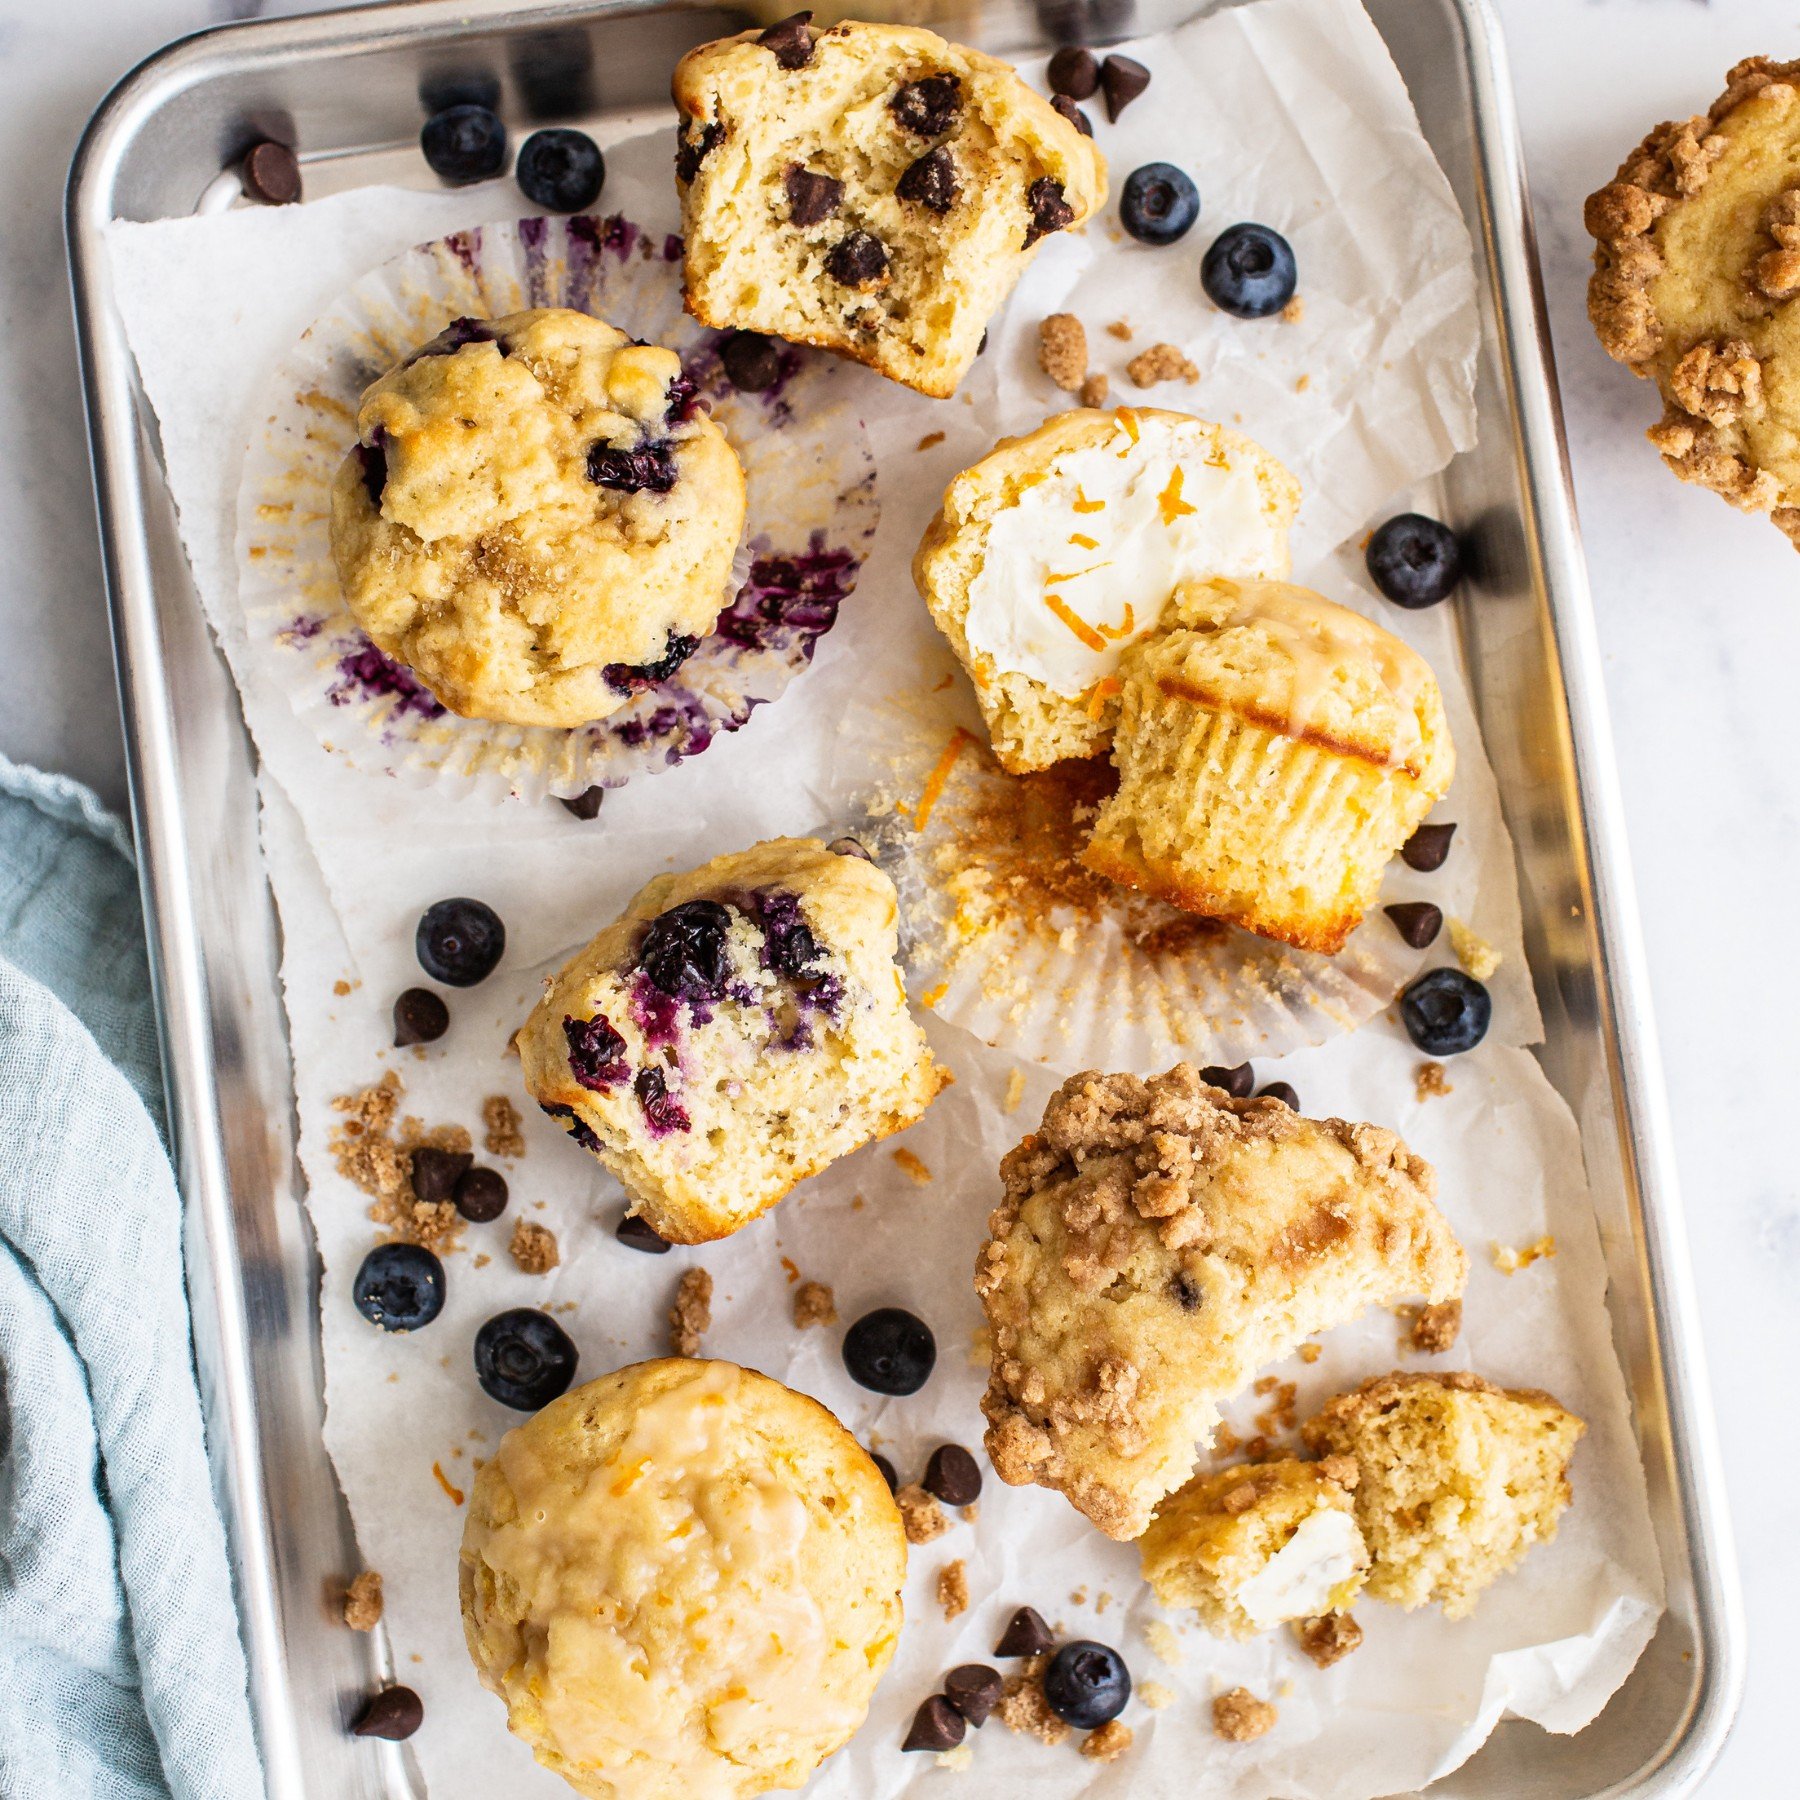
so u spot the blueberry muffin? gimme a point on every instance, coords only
(1057, 551)
(683, 1579)
(1259, 1545)
(536, 518)
(1158, 1242)
(870, 189)
(1456, 1480)
(1696, 274)
(1274, 752)
(741, 1027)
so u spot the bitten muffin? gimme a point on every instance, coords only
(683, 1579)
(1456, 1480)
(741, 1027)
(1252, 1547)
(1274, 752)
(1696, 272)
(870, 189)
(1058, 550)
(1158, 1242)
(537, 518)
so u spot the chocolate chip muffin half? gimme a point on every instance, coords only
(870, 189)
(1696, 279)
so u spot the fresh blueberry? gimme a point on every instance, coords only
(464, 143)
(1159, 204)
(890, 1351)
(373, 458)
(1414, 560)
(633, 678)
(1446, 1011)
(399, 1287)
(572, 1122)
(684, 950)
(789, 947)
(460, 941)
(523, 1358)
(649, 466)
(1087, 1684)
(1249, 270)
(561, 170)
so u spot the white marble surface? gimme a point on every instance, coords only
(1699, 614)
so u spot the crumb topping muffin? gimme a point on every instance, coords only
(870, 189)
(1056, 552)
(684, 1581)
(1456, 1480)
(537, 517)
(1274, 753)
(1696, 270)
(742, 1026)
(1158, 1242)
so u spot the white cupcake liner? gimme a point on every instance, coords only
(812, 514)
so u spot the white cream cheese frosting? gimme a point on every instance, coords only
(1302, 1578)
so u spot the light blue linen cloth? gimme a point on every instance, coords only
(121, 1670)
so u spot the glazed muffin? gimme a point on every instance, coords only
(1456, 1480)
(1696, 272)
(683, 1579)
(870, 189)
(1159, 1242)
(1056, 552)
(741, 1027)
(536, 518)
(1274, 752)
(1259, 1545)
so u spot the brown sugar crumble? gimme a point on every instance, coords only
(1062, 350)
(690, 1318)
(1429, 1081)
(362, 1601)
(1023, 1706)
(1109, 1742)
(1239, 1716)
(1436, 1328)
(371, 1155)
(1310, 1353)
(1328, 1639)
(534, 1248)
(1279, 1414)
(503, 1134)
(953, 1589)
(814, 1304)
(1161, 362)
(340, 987)
(1094, 390)
(920, 1514)
(1294, 311)
(1121, 329)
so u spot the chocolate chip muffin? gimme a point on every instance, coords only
(536, 518)
(1696, 276)
(870, 189)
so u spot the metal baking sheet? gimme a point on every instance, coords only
(344, 88)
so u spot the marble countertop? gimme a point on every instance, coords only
(1699, 616)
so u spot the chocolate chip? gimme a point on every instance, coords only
(1417, 921)
(1074, 72)
(888, 1473)
(481, 1195)
(692, 149)
(271, 174)
(1237, 1082)
(849, 846)
(395, 1712)
(928, 107)
(953, 1475)
(1282, 1091)
(974, 1690)
(1073, 114)
(859, 260)
(1187, 1295)
(1123, 80)
(937, 1725)
(979, 348)
(1426, 849)
(751, 362)
(436, 1172)
(639, 1234)
(931, 181)
(811, 196)
(420, 1017)
(586, 804)
(1026, 1634)
(790, 41)
(1050, 210)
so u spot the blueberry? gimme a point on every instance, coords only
(1445, 1011)
(684, 950)
(373, 458)
(561, 170)
(399, 1287)
(464, 143)
(1249, 270)
(789, 947)
(649, 466)
(890, 1351)
(662, 1111)
(460, 941)
(633, 678)
(597, 1056)
(1415, 561)
(523, 1358)
(1087, 1684)
(1159, 204)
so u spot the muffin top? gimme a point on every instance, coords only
(684, 1580)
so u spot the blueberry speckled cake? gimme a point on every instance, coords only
(741, 1027)
(870, 189)
(537, 518)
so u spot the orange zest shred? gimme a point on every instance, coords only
(1101, 692)
(1084, 542)
(939, 778)
(1129, 421)
(630, 1476)
(1117, 634)
(932, 995)
(1170, 500)
(446, 1483)
(1084, 505)
(1053, 578)
(1081, 628)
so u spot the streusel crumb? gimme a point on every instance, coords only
(1294, 311)
(1161, 362)
(1107, 1743)
(921, 1514)
(501, 1118)
(690, 1318)
(1094, 390)
(1328, 1639)
(1062, 350)
(1239, 1716)
(814, 1304)
(953, 1589)
(362, 1601)
(1023, 1706)
(534, 1248)
(1121, 329)
(1429, 1082)
(1436, 1328)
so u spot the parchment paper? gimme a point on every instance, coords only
(1287, 111)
